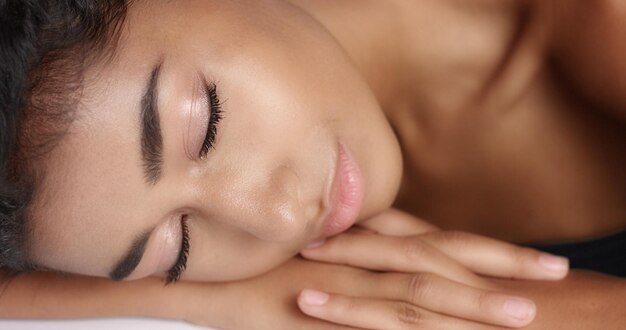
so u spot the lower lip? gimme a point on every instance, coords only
(346, 195)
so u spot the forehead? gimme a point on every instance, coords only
(93, 181)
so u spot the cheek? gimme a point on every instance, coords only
(219, 253)
(265, 113)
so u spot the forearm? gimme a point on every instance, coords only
(588, 47)
(583, 300)
(52, 296)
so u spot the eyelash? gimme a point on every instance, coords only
(173, 275)
(214, 118)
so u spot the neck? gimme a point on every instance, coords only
(372, 34)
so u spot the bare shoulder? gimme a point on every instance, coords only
(588, 47)
(491, 121)
(458, 48)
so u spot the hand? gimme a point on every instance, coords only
(268, 301)
(442, 280)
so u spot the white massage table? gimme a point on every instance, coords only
(104, 324)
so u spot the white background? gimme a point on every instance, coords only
(108, 324)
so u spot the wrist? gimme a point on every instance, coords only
(204, 304)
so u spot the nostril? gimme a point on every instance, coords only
(277, 214)
(268, 205)
(311, 206)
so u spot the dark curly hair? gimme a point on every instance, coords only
(45, 46)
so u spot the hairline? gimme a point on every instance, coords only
(96, 52)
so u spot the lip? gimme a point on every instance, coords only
(345, 196)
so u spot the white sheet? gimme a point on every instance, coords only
(107, 324)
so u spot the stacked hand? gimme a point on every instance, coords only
(426, 278)
(392, 272)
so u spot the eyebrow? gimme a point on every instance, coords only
(151, 138)
(129, 262)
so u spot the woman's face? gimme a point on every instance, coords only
(296, 118)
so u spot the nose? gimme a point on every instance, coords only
(266, 204)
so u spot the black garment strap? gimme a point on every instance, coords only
(606, 255)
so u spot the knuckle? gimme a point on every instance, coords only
(457, 237)
(454, 240)
(522, 256)
(420, 286)
(483, 300)
(408, 316)
(414, 249)
(347, 306)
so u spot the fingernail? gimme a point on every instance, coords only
(518, 309)
(315, 244)
(553, 263)
(315, 298)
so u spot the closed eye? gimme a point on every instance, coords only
(215, 115)
(173, 275)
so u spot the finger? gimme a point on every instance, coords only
(376, 314)
(496, 258)
(388, 253)
(444, 296)
(394, 222)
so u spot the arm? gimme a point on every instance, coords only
(266, 300)
(53, 296)
(270, 299)
(583, 300)
(588, 45)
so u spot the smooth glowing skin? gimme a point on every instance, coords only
(494, 141)
(290, 96)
